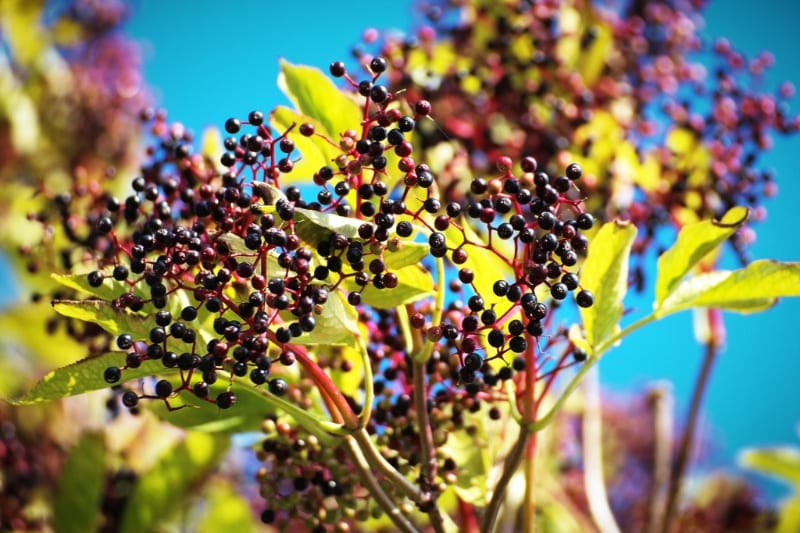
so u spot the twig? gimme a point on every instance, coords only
(661, 404)
(593, 456)
(427, 449)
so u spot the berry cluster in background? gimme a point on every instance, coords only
(393, 290)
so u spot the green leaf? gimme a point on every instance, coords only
(225, 510)
(162, 491)
(199, 415)
(605, 274)
(84, 376)
(314, 227)
(80, 486)
(335, 325)
(753, 288)
(694, 242)
(414, 283)
(315, 95)
(109, 290)
(780, 462)
(115, 321)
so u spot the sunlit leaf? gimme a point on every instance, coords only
(414, 284)
(112, 319)
(780, 462)
(335, 325)
(315, 227)
(84, 376)
(407, 253)
(225, 510)
(315, 152)
(315, 95)
(605, 274)
(753, 288)
(162, 492)
(693, 243)
(197, 414)
(80, 486)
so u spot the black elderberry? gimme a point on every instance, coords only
(337, 69)
(585, 221)
(130, 399)
(163, 388)
(125, 341)
(559, 291)
(496, 338)
(574, 171)
(112, 374)
(584, 298)
(488, 317)
(225, 400)
(377, 65)
(95, 278)
(232, 125)
(500, 287)
(278, 386)
(518, 344)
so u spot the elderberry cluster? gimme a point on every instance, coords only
(520, 84)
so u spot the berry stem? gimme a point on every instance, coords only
(375, 489)
(510, 466)
(378, 462)
(529, 503)
(713, 343)
(593, 479)
(369, 390)
(425, 354)
(427, 448)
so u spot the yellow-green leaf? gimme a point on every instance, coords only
(112, 319)
(80, 486)
(605, 274)
(84, 376)
(199, 415)
(225, 510)
(694, 242)
(162, 492)
(314, 226)
(315, 152)
(414, 283)
(335, 325)
(315, 95)
(780, 462)
(753, 288)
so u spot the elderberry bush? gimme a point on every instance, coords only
(400, 280)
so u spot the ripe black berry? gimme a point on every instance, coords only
(225, 400)
(112, 374)
(278, 387)
(130, 399)
(163, 388)
(377, 65)
(584, 298)
(337, 69)
(124, 341)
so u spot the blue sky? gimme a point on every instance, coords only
(210, 60)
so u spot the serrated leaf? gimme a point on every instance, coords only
(315, 95)
(84, 376)
(114, 320)
(753, 288)
(80, 486)
(225, 510)
(109, 290)
(694, 242)
(605, 274)
(161, 492)
(414, 284)
(335, 325)
(199, 415)
(314, 227)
